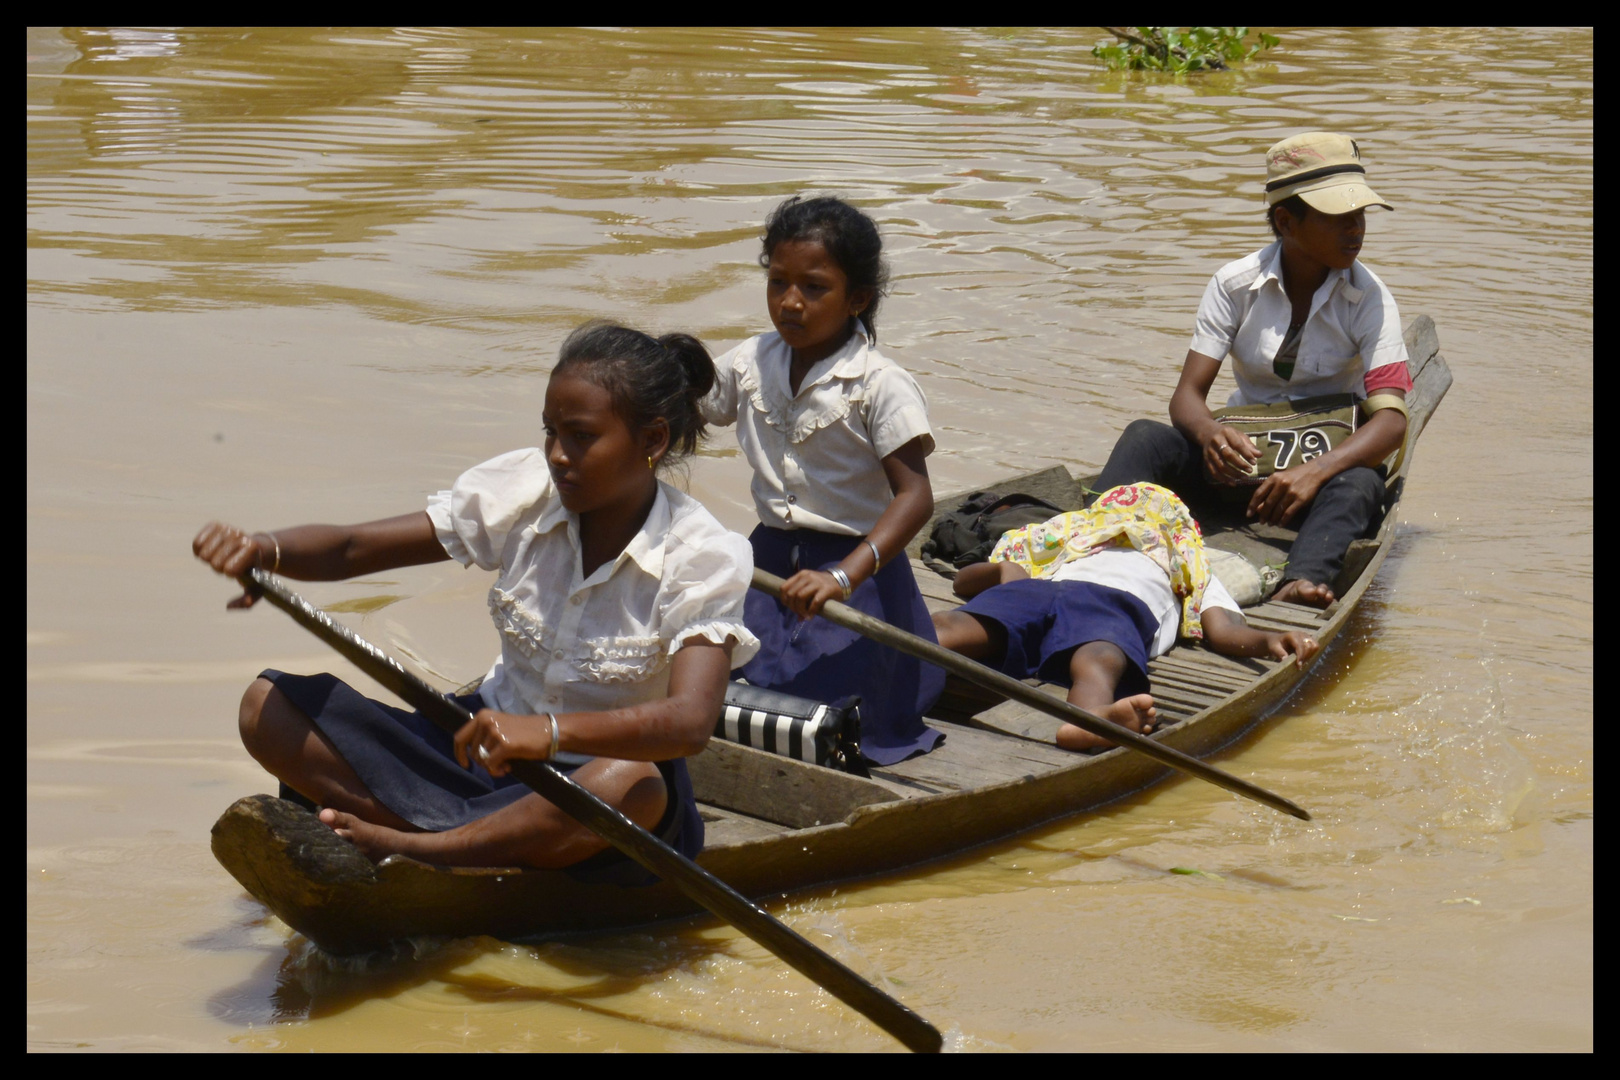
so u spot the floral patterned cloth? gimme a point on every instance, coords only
(1146, 517)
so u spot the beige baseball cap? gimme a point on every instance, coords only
(1322, 168)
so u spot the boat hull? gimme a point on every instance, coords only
(783, 826)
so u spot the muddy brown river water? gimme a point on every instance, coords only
(305, 275)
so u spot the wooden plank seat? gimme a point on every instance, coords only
(722, 826)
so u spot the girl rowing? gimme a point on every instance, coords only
(838, 438)
(619, 603)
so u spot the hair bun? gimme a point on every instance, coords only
(694, 360)
(649, 379)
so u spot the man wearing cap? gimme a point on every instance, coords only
(1299, 318)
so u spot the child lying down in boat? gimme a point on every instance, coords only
(1087, 598)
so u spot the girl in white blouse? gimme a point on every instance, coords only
(619, 603)
(838, 438)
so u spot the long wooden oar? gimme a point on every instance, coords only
(648, 850)
(1007, 686)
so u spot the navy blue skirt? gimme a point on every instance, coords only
(410, 766)
(1047, 620)
(815, 659)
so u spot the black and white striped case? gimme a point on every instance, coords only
(794, 727)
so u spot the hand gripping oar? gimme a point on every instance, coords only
(1007, 686)
(648, 850)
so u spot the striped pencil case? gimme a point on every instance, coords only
(793, 727)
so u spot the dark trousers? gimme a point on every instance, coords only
(1345, 509)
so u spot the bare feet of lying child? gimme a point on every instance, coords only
(1135, 713)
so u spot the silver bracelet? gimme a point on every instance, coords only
(877, 558)
(842, 578)
(551, 751)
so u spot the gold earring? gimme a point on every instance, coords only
(650, 462)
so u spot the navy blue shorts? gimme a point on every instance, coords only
(410, 766)
(1047, 620)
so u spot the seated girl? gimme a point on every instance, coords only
(838, 438)
(1089, 597)
(620, 611)
(1300, 318)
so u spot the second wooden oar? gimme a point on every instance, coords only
(646, 849)
(1007, 686)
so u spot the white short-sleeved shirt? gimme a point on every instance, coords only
(1353, 329)
(817, 454)
(1128, 570)
(570, 643)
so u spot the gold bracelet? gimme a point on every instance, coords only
(1377, 402)
(276, 569)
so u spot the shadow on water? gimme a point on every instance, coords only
(299, 981)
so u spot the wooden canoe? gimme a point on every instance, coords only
(776, 825)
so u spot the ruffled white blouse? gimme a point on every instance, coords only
(571, 643)
(817, 455)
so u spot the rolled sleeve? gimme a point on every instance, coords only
(897, 412)
(705, 586)
(474, 518)
(444, 526)
(1216, 325)
(1389, 377)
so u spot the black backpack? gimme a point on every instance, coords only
(969, 533)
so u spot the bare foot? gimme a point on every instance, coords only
(376, 842)
(1135, 713)
(1304, 592)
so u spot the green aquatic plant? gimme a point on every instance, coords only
(1179, 49)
